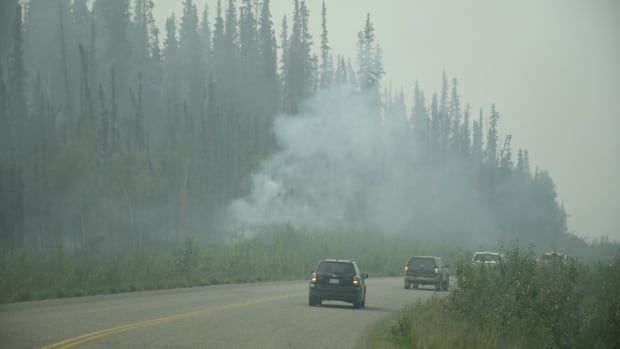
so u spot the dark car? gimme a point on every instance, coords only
(337, 280)
(427, 270)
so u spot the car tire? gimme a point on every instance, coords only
(407, 285)
(364, 299)
(438, 286)
(313, 301)
(357, 303)
(446, 285)
(415, 285)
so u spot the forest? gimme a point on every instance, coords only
(119, 136)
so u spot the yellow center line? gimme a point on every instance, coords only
(72, 342)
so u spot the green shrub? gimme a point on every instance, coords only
(519, 304)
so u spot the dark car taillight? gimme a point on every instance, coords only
(406, 268)
(313, 278)
(356, 280)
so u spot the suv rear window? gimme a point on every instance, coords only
(336, 268)
(421, 261)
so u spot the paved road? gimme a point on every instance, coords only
(261, 315)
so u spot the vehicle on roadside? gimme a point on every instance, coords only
(552, 257)
(488, 259)
(337, 280)
(427, 270)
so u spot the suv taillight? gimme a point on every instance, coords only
(406, 268)
(313, 278)
(356, 280)
(436, 270)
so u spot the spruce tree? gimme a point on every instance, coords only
(419, 115)
(492, 137)
(326, 66)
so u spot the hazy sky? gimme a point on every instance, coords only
(552, 67)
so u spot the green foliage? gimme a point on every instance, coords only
(287, 254)
(521, 304)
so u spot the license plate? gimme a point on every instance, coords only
(334, 281)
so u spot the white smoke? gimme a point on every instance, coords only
(341, 166)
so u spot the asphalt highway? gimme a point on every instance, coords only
(259, 315)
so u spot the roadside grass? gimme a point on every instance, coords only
(429, 324)
(287, 254)
(522, 305)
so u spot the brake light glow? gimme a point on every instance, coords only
(356, 280)
(436, 270)
(313, 278)
(406, 268)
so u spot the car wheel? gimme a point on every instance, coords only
(313, 301)
(445, 286)
(407, 285)
(438, 286)
(357, 303)
(415, 285)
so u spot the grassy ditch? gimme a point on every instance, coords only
(522, 305)
(285, 255)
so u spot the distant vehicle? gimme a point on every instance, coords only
(489, 259)
(338, 280)
(553, 257)
(427, 270)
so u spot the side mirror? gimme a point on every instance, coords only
(365, 276)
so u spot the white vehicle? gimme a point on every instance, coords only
(490, 259)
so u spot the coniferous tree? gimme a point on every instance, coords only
(299, 71)
(436, 125)
(326, 66)
(205, 38)
(477, 143)
(454, 117)
(492, 146)
(270, 80)
(419, 115)
(443, 116)
(369, 59)
(140, 39)
(506, 164)
(191, 57)
(17, 78)
(7, 20)
(284, 45)
(171, 56)
(465, 137)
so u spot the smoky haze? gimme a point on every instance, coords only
(550, 66)
(341, 166)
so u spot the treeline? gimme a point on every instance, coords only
(116, 135)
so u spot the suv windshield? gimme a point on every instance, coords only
(486, 257)
(336, 268)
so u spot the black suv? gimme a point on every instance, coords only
(427, 270)
(338, 280)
